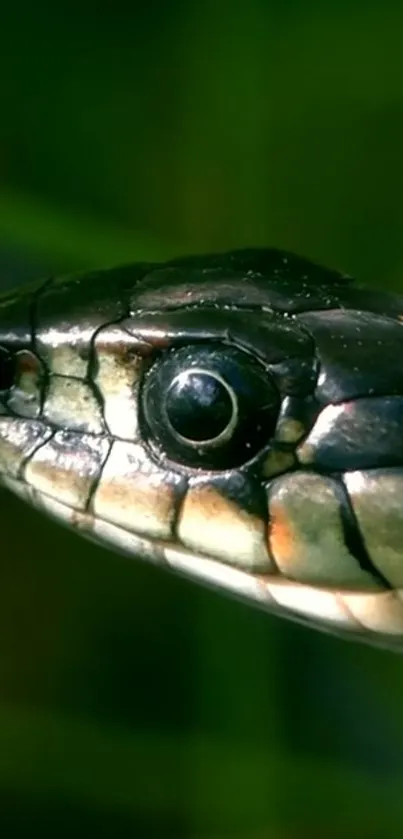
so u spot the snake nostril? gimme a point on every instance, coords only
(7, 370)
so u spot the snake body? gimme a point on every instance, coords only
(235, 417)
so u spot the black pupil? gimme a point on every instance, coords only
(7, 370)
(198, 406)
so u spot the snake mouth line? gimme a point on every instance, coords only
(347, 614)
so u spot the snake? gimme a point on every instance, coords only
(236, 418)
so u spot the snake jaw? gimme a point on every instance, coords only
(367, 617)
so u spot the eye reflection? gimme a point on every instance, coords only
(201, 407)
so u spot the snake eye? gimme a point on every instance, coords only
(214, 407)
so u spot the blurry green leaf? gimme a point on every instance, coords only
(74, 239)
(215, 784)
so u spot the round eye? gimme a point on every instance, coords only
(214, 407)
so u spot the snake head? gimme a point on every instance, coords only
(237, 418)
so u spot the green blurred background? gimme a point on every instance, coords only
(133, 703)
